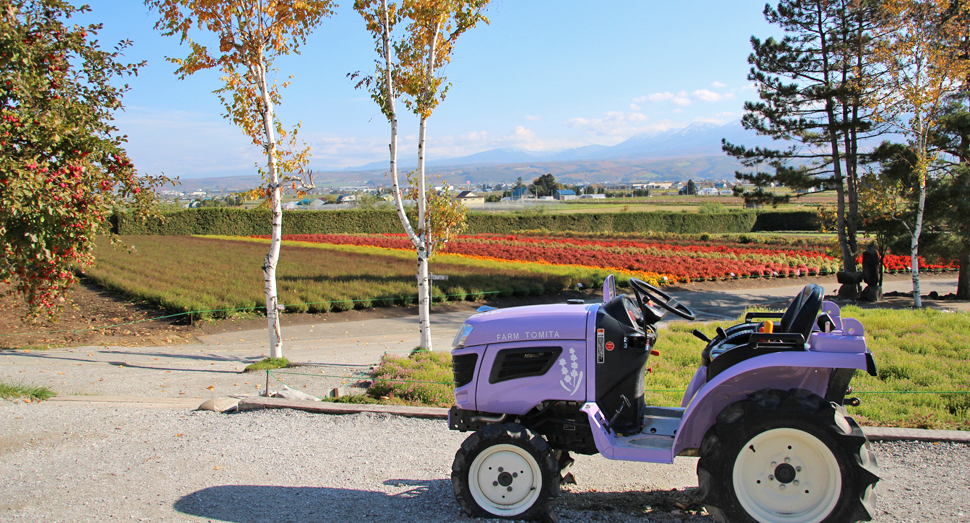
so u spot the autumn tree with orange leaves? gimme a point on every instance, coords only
(920, 49)
(251, 34)
(409, 67)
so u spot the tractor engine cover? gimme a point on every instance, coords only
(532, 323)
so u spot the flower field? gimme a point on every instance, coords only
(652, 261)
(212, 277)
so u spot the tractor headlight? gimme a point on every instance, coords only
(462, 335)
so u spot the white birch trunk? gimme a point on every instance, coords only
(272, 258)
(395, 180)
(914, 244)
(424, 292)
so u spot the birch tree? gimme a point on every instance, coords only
(251, 35)
(409, 68)
(920, 53)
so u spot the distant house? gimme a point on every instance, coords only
(708, 191)
(470, 199)
(521, 192)
(592, 197)
(565, 195)
(347, 198)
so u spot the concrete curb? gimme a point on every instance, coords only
(896, 434)
(325, 407)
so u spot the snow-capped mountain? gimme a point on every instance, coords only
(697, 139)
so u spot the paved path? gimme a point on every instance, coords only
(182, 376)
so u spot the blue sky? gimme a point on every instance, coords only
(544, 75)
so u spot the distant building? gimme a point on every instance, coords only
(470, 199)
(565, 194)
(520, 193)
(347, 198)
(592, 197)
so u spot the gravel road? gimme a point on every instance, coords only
(93, 463)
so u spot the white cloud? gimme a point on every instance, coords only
(682, 101)
(523, 134)
(533, 118)
(474, 136)
(750, 87)
(677, 111)
(711, 96)
(718, 85)
(525, 138)
(725, 114)
(634, 107)
(616, 126)
(655, 97)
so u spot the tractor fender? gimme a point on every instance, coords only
(807, 370)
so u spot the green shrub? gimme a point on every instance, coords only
(457, 293)
(423, 378)
(242, 222)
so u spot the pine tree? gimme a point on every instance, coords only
(811, 85)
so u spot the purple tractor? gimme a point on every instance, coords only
(764, 412)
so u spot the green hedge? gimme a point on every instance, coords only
(240, 222)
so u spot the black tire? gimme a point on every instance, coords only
(815, 464)
(505, 471)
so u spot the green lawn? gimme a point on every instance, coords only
(921, 356)
(918, 354)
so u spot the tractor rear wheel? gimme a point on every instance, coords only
(505, 471)
(786, 456)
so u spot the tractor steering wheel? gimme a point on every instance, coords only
(648, 295)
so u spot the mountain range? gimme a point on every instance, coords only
(673, 155)
(697, 139)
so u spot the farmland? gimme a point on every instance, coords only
(221, 276)
(651, 260)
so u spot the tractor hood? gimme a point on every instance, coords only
(531, 323)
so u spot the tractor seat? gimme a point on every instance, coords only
(740, 342)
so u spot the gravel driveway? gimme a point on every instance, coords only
(89, 463)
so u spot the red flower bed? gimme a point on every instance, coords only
(675, 261)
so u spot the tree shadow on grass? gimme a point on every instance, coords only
(264, 503)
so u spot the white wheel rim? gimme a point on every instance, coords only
(787, 475)
(505, 480)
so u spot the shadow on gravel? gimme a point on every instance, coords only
(657, 502)
(261, 503)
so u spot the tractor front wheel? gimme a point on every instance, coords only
(786, 456)
(505, 471)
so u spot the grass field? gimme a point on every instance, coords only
(920, 354)
(221, 277)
